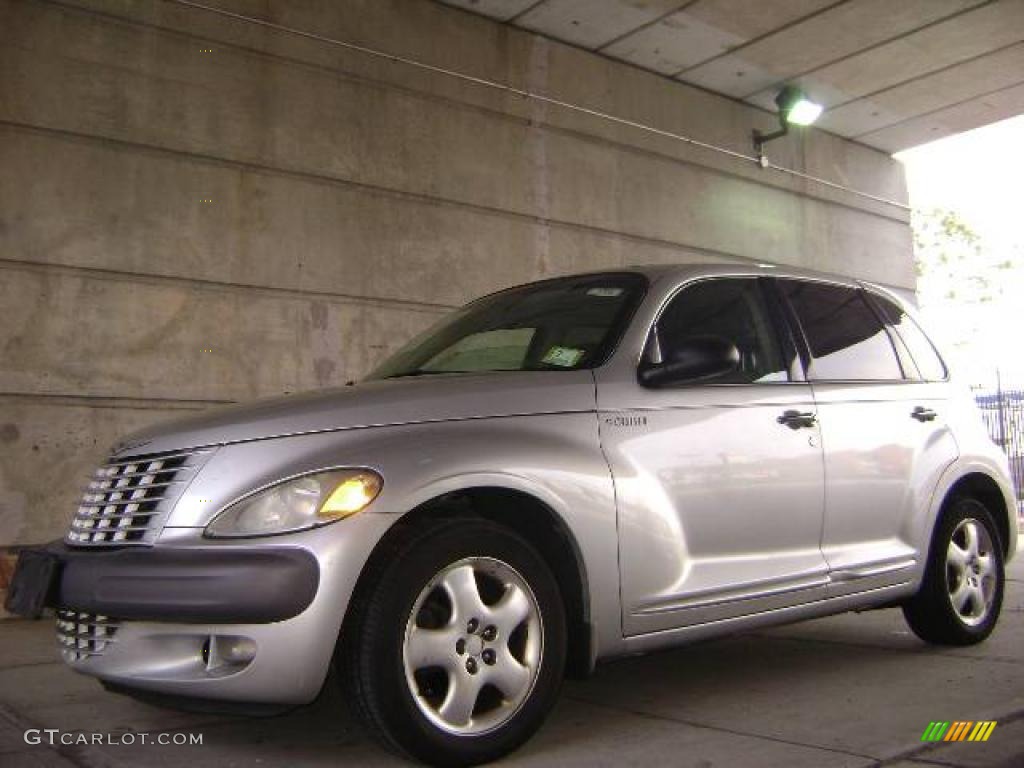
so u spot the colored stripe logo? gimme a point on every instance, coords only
(959, 730)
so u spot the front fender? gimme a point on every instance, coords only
(555, 458)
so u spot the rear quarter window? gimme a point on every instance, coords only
(925, 357)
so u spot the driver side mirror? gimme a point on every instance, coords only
(695, 359)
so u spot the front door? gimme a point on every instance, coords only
(719, 483)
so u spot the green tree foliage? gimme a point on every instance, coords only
(965, 284)
(952, 261)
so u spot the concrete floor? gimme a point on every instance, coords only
(852, 690)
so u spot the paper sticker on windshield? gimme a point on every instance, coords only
(605, 293)
(566, 357)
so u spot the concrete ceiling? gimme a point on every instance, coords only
(891, 73)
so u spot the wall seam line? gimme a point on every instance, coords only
(404, 195)
(127, 275)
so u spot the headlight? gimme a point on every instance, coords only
(300, 503)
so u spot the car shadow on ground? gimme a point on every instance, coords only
(789, 686)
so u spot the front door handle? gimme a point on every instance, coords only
(797, 419)
(922, 414)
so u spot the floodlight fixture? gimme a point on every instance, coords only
(794, 109)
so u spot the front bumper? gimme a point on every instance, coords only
(182, 584)
(240, 621)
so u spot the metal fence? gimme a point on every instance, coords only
(1003, 411)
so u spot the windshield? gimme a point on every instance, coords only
(561, 324)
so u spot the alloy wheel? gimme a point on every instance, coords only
(473, 646)
(971, 571)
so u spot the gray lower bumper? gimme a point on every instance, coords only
(193, 659)
(251, 586)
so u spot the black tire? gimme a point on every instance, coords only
(931, 613)
(374, 644)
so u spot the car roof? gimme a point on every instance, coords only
(712, 269)
(655, 273)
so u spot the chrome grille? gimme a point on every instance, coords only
(80, 635)
(127, 499)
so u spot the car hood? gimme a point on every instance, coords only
(410, 400)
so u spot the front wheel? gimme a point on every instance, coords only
(962, 591)
(461, 648)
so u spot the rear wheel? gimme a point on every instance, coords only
(461, 648)
(962, 592)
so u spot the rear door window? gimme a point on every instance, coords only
(846, 337)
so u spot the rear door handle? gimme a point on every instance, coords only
(923, 414)
(797, 419)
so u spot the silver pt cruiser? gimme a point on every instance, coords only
(556, 474)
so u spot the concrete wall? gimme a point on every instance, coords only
(197, 209)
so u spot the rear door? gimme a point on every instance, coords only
(884, 436)
(719, 496)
